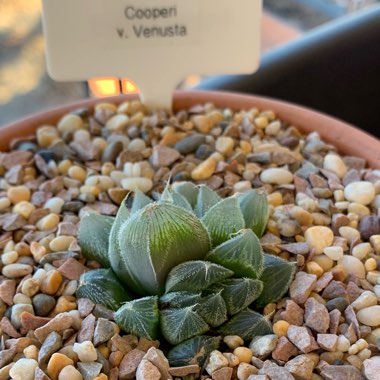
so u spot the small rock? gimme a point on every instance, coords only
(353, 266)
(17, 310)
(51, 344)
(372, 368)
(158, 358)
(262, 346)
(11, 159)
(316, 316)
(56, 363)
(86, 331)
(204, 151)
(190, 144)
(112, 150)
(335, 289)
(86, 351)
(204, 170)
(7, 328)
(302, 286)
(6, 356)
(216, 361)
(23, 369)
(275, 372)
(224, 145)
(340, 372)
(334, 163)
(163, 156)
(43, 304)
(59, 323)
(276, 176)
(328, 342)
(138, 183)
(284, 350)
(31, 322)
(292, 313)
(7, 291)
(185, 370)
(223, 373)
(366, 299)
(121, 344)
(244, 370)
(301, 367)
(369, 316)
(369, 225)
(89, 371)
(17, 270)
(85, 306)
(302, 338)
(70, 373)
(362, 192)
(319, 237)
(129, 364)
(334, 253)
(39, 374)
(72, 269)
(147, 371)
(103, 332)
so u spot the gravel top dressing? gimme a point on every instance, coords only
(323, 224)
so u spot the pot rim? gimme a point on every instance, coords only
(345, 137)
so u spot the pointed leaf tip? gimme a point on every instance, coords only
(205, 200)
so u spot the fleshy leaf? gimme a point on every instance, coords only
(195, 276)
(223, 219)
(254, 207)
(118, 264)
(140, 200)
(187, 190)
(242, 254)
(179, 299)
(277, 276)
(193, 351)
(178, 325)
(247, 324)
(140, 317)
(238, 293)
(94, 230)
(205, 200)
(213, 309)
(102, 287)
(177, 199)
(156, 239)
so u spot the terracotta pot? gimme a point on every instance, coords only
(345, 137)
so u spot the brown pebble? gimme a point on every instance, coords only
(86, 331)
(59, 323)
(85, 306)
(7, 291)
(145, 344)
(292, 313)
(56, 363)
(284, 350)
(302, 286)
(51, 282)
(302, 339)
(222, 374)
(7, 328)
(334, 321)
(32, 322)
(129, 364)
(185, 370)
(115, 358)
(72, 269)
(316, 316)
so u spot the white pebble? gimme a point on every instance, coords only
(23, 369)
(242, 186)
(361, 250)
(132, 170)
(117, 123)
(353, 266)
(334, 253)
(82, 135)
(216, 361)
(103, 182)
(276, 176)
(375, 242)
(136, 145)
(369, 316)
(349, 233)
(86, 351)
(54, 204)
(4, 203)
(142, 184)
(362, 192)
(9, 257)
(319, 237)
(366, 299)
(343, 344)
(335, 164)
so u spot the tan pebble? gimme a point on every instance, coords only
(4, 203)
(261, 122)
(136, 145)
(364, 354)
(117, 195)
(362, 192)
(343, 344)
(65, 303)
(70, 373)
(38, 251)
(319, 237)
(275, 199)
(64, 166)
(102, 376)
(56, 363)
(204, 170)
(10, 246)
(48, 222)
(314, 268)
(233, 341)
(104, 350)
(104, 106)
(18, 194)
(23, 369)
(276, 176)
(20, 298)
(86, 351)
(280, 328)
(334, 163)
(233, 360)
(245, 146)
(203, 123)
(30, 287)
(78, 173)
(224, 145)
(216, 361)
(370, 264)
(69, 123)
(54, 204)
(361, 250)
(334, 252)
(9, 257)
(273, 128)
(354, 361)
(244, 354)
(31, 352)
(358, 209)
(245, 370)
(324, 262)
(142, 184)
(117, 122)
(369, 316)
(103, 182)
(349, 233)
(82, 135)
(90, 190)
(242, 186)
(46, 136)
(61, 243)
(16, 270)
(375, 242)
(24, 208)
(353, 266)
(51, 282)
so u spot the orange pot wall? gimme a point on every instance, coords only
(346, 138)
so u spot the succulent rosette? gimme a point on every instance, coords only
(185, 265)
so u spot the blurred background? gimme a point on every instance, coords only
(25, 87)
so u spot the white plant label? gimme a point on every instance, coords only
(156, 43)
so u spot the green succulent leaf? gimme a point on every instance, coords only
(140, 200)
(195, 276)
(116, 258)
(242, 254)
(156, 239)
(140, 317)
(94, 230)
(178, 325)
(277, 276)
(187, 190)
(193, 351)
(177, 199)
(238, 293)
(223, 219)
(213, 309)
(102, 287)
(205, 200)
(179, 299)
(247, 324)
(254, 207)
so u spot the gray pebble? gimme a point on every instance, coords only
(72, 206)
(112, 151)
(89, 370)
(17, 310)
(51, 344)
(204, 151)
(43, 304)
(190, 144)
(369, 225)
(103, 332)
(339, 303)
(261, 158)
